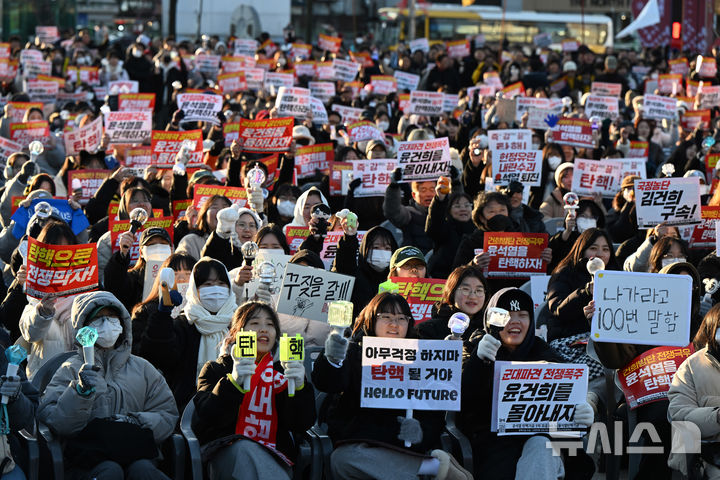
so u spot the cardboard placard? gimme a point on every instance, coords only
(515, 254)
(307, 291)
(421, 294)
(60, 269)
(422, 160)
(674, 201)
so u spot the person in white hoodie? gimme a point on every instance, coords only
(304, 203)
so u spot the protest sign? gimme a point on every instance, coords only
(26, 132)
(128, 126)
(88, 180)
(138, 157)
(300, 50)
(669, 83)
(306, 68)
(232, 82)
(692, 118)
(118, 87)
(638, 149)
(47, 34)
(509, 140)
(426, 103)
(275, 80)
(525, 166)
(278, 261)
(306, 291)
(235, 63)
(703, 234)
(245, 46)
(364, 130)
(537, 397)
(404, 102)
(7, 148)
(421, 44)
(576, 132)
(514, 90)
(313, 158)
(658, 107)
(538, 118)
(648, 377)
(406, 81)
(706, 67)
(330, 245)
(422, 160)
(538, 289)
(32, 68)
(709, 97)
(673, 201)
(375, 175)
(601, 107)
(200, 107)
(383, 84)
(136, 101)
(679, 66)
(293, 102)
(591, 176)
(606, 89)
(295, 237)
(632, 166)
(166, 145)
(325, 71)
(117, 227)
(411, 374)
(340, 177)
(458, 48)
(345, 70)
(642, 308)
(60, 269)
(324, 91)
(42, 91)
(319, 113)
(254, 77)
(84, 138)
(570, 45)
(349, 115)
(207, 64)
(542, 40)
(514, 254)
(450, 101)
(524, 104)
(267, 135)
(236, 195)
(17, 110)
(329, 43)
(421, 294)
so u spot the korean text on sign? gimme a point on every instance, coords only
(128, 126)
(515, 255)
(166, 145)
(675, 201)
(88, 180)
(509, 140)
(200, 107)
(201, 193)
(404, 373)
(590, 176)
(422, 160)
(642, 308)
(537, 397)
(268, 135)
(119, 226)
(524, 166)
(375, 176)
(306, 291)
(648, 377)
(421, 294)
(576, 132)
(60, 269)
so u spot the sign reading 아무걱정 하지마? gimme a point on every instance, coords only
(641, 308)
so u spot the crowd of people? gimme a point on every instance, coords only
(157, 352)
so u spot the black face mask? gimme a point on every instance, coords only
(499, 223)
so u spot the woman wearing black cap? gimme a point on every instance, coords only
(126, 282)
(498, 457)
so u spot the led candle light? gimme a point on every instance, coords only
(245, 347)
(249, 251)
(458, 323)
(292, 349)
(87, 336)
(340, 314)
(138, 217)
(36, 149)
(15, 355)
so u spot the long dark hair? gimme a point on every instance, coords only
(273, 229)
(176, 261)
(55, 231)
(384, 302)
(577, 253)
(244, 313)
(202, 224)
(705, 336)
(659, 250)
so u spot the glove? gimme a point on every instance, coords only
(10, 387)
(295, 371)
(28, 170)
(705, 304)
(257, 200)
(410, 430)
(454, 174)
(242, 367)
(263, 293)
(90, 379)
(335, 348)
(355, 184)
(125, 418)
(488, 347)
(396, 177)
(584, 414)
(226, 219)
(168, 299)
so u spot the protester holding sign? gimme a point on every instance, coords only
(497, 456)
(587, 215)
(373, 438)
(179, 347)
(225, 410)
(465, 292)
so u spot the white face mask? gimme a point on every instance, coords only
(286, 208)
(108, 330)
(536, 146)
(554, 162)
(159, 251)
(627, 195)
(585, 223)
(669, 261)
(379, 259)
(137, 53)
(383, 126)
(272, 251)
(213, 297)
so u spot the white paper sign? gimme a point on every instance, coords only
(658, 107)
(348, 114)
(601, 107)
(407, 373)
(422, 160)
(200, 107)
(293, 102)
(642, 308)
(509, 140)
(590, 176)
(426, 103)
(524, 166)
(675, 201)
(406, 81)
(306, 291)
(376, 175)
(324, 91)
(538, 289)
(537, 397)
(345, 70)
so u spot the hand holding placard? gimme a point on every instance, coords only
(244, 353)
(292, 350)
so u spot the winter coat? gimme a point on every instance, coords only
(192, 244)
(410, 219)
(437, 327)
(134, 387)
(218, 403)
(567, 294)
(126, 285)
(446, 234)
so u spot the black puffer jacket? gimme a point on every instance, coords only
(446, 234)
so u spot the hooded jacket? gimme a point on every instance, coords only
(298, 219)
(349, 261)
(411, 219)
(493, 455)
(446, 234)
(134, 387)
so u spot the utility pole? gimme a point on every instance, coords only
(199, 22)
(411, 19)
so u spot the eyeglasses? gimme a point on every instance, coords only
(467, 291)
(389, 319)
(416, 267)
(462, 205)
(246, 226)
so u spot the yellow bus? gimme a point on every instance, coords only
(438, 23)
